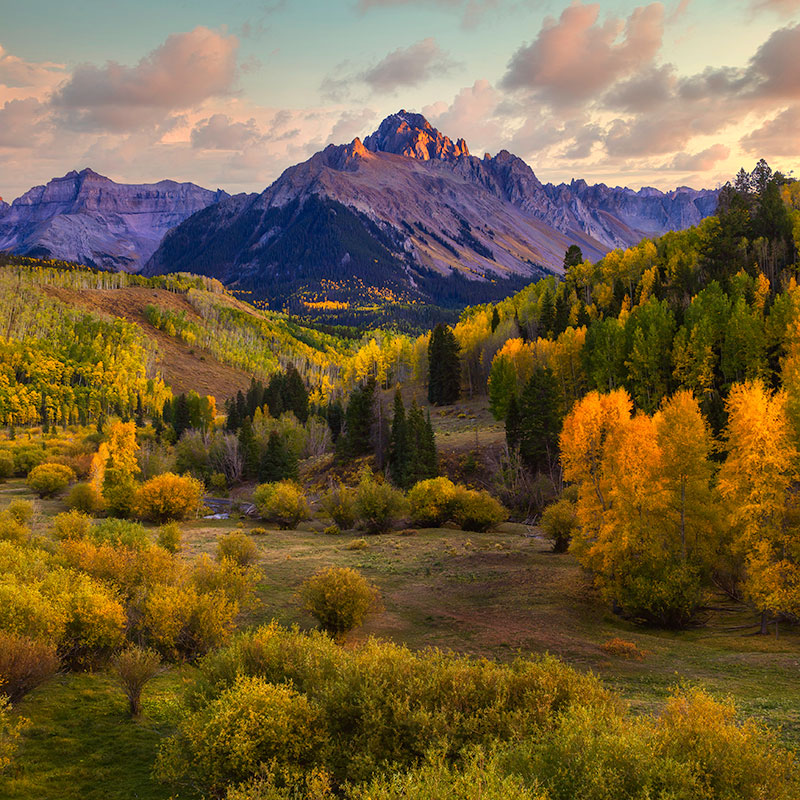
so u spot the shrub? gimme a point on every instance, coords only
(119, 498)
(377, 505)
(49, 479)
(11, 530)
(72, 525)
(86, 497)
(480, 778)
(182, 621)
(357, 544)
(477, 510)
(6, 465)
(21, 510)
(432, 502)
(623, 649)
(120, 532)
(339, 598)
(332, 530)
(238, 547)
(218, 484)
(238, 583)
(283, 503)
(169, 537)
(134, 667)
(168, 497)
(339, 504)
(24, 664)
(258, 531)
(252, 725)
(559, 522)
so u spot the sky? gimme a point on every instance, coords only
(229, 94)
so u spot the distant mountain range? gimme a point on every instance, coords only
(90, 219)
(406, 214)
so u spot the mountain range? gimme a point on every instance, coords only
(406, 214)
(90, 219)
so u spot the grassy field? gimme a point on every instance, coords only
(492, 595)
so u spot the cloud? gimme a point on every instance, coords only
(350, 125)
(17, 73)
(407, 66)
(783, 8)
(700, 162)
(472, 115)
(184, 71)
(776, 137)
(220, 132)
(576, 57)
(648, 89)
(775, 68)
(22, 122)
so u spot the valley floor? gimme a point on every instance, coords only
(489, 595)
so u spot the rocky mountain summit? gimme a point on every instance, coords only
(411, 211)
(88, 218)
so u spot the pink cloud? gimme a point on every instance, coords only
(187, 69)
(574, 58)
(776, 137)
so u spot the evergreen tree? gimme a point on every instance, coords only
(513, 423)
(495, 319)
(444, 368)
(273, 395)
(572, 257)
(241, 406)
(139, 412)
(398, 443)
(539, 421)
(249, 449)
(182, 415)
(357, 439)
(278, 462)
(335, 416)
(233, 422)
(421, 458)
(295, 395)
(255, 396)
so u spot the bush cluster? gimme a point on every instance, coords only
(339, 598)
(282, 503)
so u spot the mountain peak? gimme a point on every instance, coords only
(408, 134)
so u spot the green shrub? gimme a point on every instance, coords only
(339, 598)
(339, 504)
(49, 479)
(6, 465)
(72, 525)
(86, 497)
(378, 504)
(134, 667)
(24, 664)
(237, 582)
(432, 502)
(120, 498)
(21, 510)
(169, 537)
(120, 532)
(332, 530)
(283, 503)
(238, 547)
(218, 484)
(252, 725)
(480, 778)
(477, 510)
(559, 522)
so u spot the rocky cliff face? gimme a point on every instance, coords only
(90, 219)
(408, 207)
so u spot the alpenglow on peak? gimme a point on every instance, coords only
(411, 135)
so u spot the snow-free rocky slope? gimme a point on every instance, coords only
(412, 213)
(90, 219)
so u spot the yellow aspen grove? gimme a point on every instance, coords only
(584, 442)
(757, 482)
(686, 444)
(118, 453)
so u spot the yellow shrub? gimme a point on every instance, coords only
(11, 529)
(71, 525)
(86, 497)
(339, 598)
(432, 502)
(49, 479)
(477, 510)
(283, 503)
(26, 611)
(168, 497)
(238, 547)
(21, 510)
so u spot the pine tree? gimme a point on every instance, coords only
(182, 415)
(278, 462)
(495, 319)
(249, 449)
(295, 395)
(335, 416)
(513, 423)
(398, 443)
(359, 417)
(444, 367)
(540, 421)
(572, 257)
